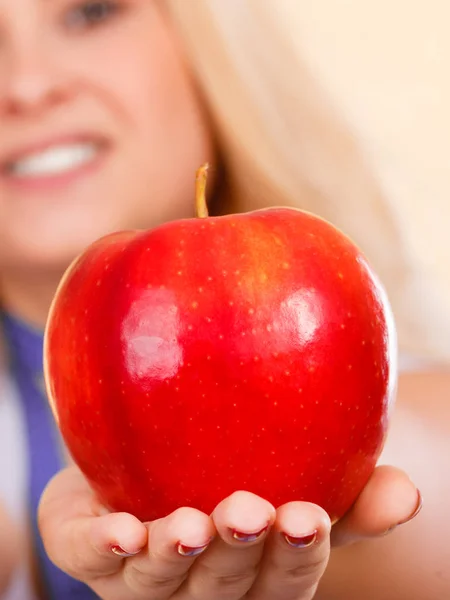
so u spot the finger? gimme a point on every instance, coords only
(296, 554)
(174, 544)
(229, 567)
(78, 536)
(389, 499)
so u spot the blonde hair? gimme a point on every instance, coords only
(286, 140)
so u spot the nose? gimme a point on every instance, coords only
(32, 83)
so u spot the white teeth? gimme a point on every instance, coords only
(54, 161)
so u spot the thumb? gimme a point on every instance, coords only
(79, 536)
(389, 499)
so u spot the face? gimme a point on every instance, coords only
(100, 126)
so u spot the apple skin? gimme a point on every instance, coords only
(254, 351)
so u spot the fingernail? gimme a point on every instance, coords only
(119, 551)
(191, 550)
(242, 536)
(303, 541)
(414, 514)
(416, 510)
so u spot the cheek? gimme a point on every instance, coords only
(140, 75)
(149, 93)
(162, 106)
(170, 135)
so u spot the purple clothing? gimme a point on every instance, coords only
(45, 448)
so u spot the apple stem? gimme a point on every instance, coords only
(200, 191)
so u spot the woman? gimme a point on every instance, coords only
(102, 124)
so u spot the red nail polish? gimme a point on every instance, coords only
(416, 510)
(242, 536)
(191, 550)
(119, 551)
(303, 541)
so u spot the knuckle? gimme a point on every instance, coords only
(233, 580)
(139, 580)
(309, 570)
(77, 567)
(228, 580)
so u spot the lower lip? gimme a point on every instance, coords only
(47, 183)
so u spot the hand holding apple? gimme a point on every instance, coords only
(244, 352)
(189, 554)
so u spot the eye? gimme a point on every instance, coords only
(90, 14)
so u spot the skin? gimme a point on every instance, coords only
(79, 537)
(58, 77)
(149, 119)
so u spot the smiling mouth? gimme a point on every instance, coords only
(54, 161)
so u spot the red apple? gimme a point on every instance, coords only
(249, 351)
